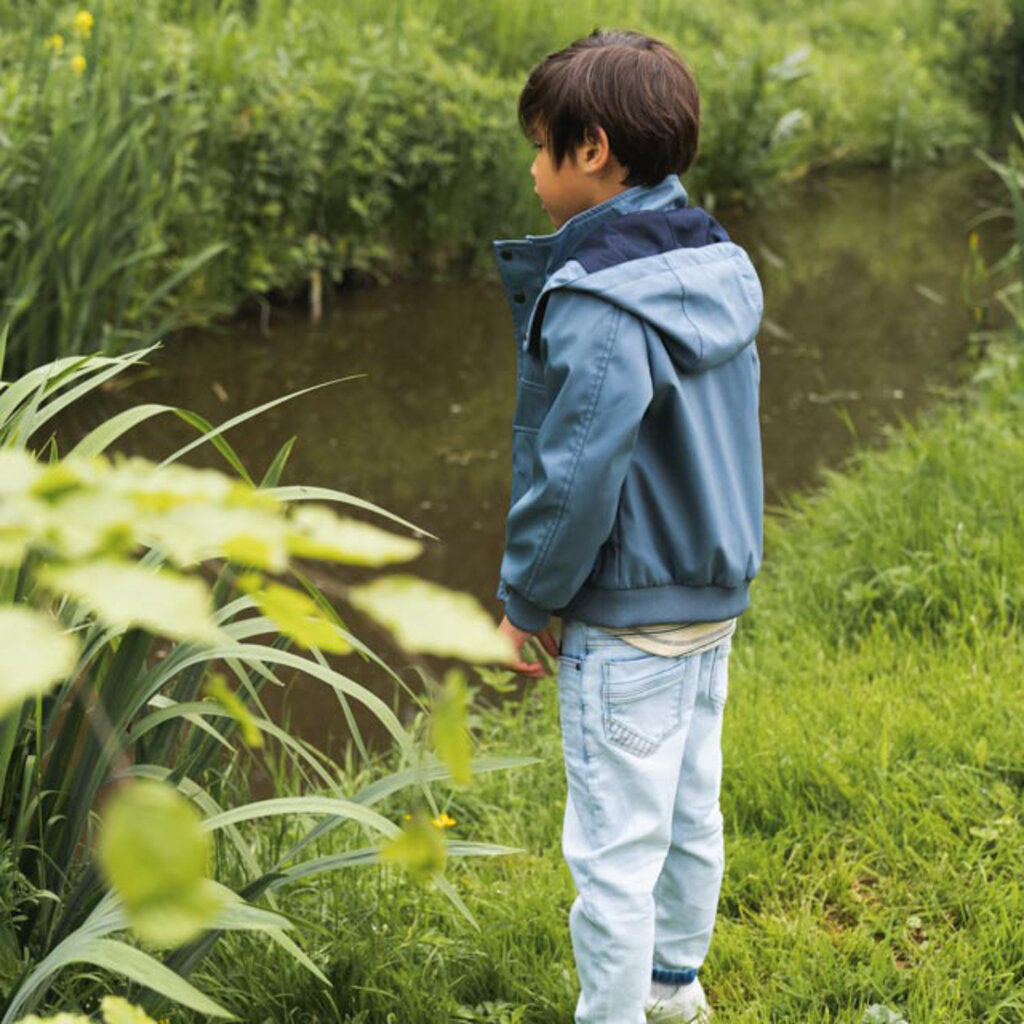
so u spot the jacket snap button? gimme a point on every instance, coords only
(506, 254)
(519, 297)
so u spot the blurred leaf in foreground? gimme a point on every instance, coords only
(431, 619)
(119, 1011)
(36, 654)
(115, 1011)
(319, 533)
(418, 848)
(61, 1018)
(126, 594)
(295, 614)
(217, 688)
(449, 726)
(155, 855)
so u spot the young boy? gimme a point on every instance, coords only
(636, 505)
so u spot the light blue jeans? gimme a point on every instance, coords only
(643, 830)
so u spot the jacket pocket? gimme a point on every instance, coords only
(642, 701)
(531, 404)
(524, 441)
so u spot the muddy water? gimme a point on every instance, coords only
(863, 324)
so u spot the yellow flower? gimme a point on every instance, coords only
(83, 24)
(443, 820)
(78, 63)
(54, 42)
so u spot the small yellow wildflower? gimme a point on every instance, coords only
(54, 42)
(443, 820)
(83, 24)
(407, 816)
(78, 63)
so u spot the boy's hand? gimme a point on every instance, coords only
(518, 636)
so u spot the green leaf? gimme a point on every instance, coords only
(160, 488)
(61, 1018)
(119, 1011)
(217, 688)
(418, 848)
(319, 533)
(427, 617)
(296, 614)
(300, 493)
(98, 439)
(18, 472)
(89, 523)
(212, 434)
(36, 654)
(143, 968)
(449, 726)
(300, 805)
(126, 595)
(155, 855)
(195, 532)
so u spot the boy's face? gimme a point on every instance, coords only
(563, 192)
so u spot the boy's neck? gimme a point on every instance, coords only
(609, 181)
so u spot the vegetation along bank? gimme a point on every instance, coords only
(163, 161)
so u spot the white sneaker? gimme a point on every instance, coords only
(683, 1004)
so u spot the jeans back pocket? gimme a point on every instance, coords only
(642, 701)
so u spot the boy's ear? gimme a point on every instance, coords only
(595, 150)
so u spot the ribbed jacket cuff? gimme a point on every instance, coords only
(524, 614)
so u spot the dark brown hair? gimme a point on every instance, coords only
(636, 88)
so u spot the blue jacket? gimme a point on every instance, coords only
(637, 492)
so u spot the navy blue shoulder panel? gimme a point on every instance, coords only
(645, 233)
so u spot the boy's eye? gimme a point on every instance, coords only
(537, 145)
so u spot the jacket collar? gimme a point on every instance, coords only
(552, 250)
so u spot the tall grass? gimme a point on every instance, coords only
(209, 153)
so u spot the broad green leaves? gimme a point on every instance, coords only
(418, 848)
(319, 533)
(449, 731)
(123, 594)
(36, 654)
(217, 688)
(61, 1018)
(296, 614)
(155, 854)
(429, 618)
(119, 1011)
(115, 1011)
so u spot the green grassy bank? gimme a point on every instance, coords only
(162, 161)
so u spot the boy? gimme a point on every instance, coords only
(636, 505)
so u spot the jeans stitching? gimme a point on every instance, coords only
(630, 738)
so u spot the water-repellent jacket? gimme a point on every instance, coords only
(637, 489)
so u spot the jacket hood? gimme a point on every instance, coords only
(671, 266)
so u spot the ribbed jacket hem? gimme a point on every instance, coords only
(525, 614)
(648, 605)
